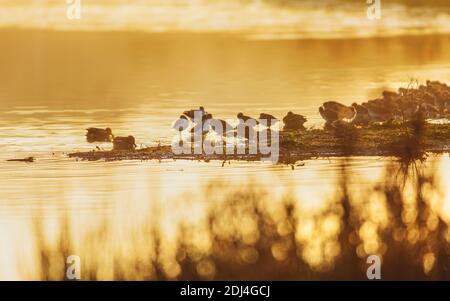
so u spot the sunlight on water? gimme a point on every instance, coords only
(120, 215)
(197, 220)
(255, 18)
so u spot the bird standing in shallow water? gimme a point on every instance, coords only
(99, 135)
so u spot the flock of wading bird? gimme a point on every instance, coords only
(428, 101)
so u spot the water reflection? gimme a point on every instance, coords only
(237, 229)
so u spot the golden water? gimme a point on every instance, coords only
(158, 220)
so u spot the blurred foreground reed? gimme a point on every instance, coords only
(244, 234)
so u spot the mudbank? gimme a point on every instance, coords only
(375, 140)
(393, 125)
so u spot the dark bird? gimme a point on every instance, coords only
(245, 118)
(99, 135)
(270, 119)
(294, 122)
(202, 127)
(429, 111)
(444, 101)
(378, 112)
(332, 111)
(390, 95)
(328, 115)
(191, 113)
(181, 124)
(430, 99)
(244, 129)
(206, 117)
(403, 91)
(362, 115)
(407, 110)
(124, 143)
(390, 100)
(441, 93)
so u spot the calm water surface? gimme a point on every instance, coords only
(53, 85)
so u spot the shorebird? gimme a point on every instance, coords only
(332, 111)
(180, 125)
(294, 121)
(99, 135)
(200, 127)
(328, 115)
(441, 93)
(270, 119)
(378, 112)
(245, 122)
(447, 106)
(429, 110)
(124, 143)
(245, 118)
(443, 103)
(390, 95)
(191, 113)
(214, 123)
(429, 98)
(390, 100)
(362, 115)
(407, 109)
